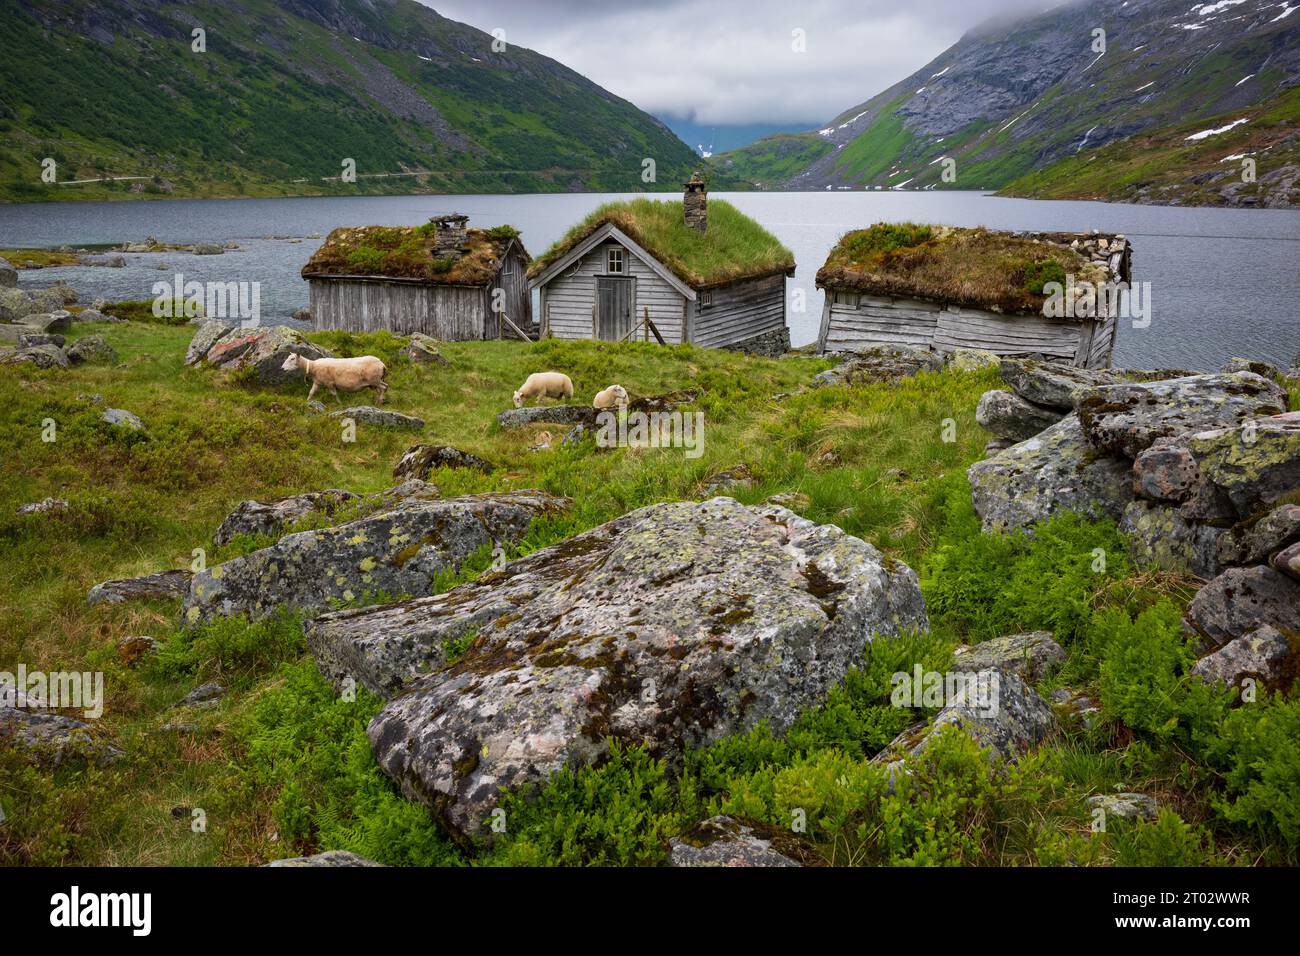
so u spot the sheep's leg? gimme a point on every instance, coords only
(314, 386)
(381, 390)
(335, 392)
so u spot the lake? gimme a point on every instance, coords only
(1224, 282)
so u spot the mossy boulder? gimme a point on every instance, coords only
(672, 627)
(1160, 537)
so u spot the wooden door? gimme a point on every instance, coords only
(614, 308)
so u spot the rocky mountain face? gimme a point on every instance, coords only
(284, 91)
(1028, 105)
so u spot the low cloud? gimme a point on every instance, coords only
(732, 61)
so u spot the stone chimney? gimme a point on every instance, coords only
(695, 204)
(451, 237)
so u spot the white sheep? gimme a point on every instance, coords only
(544, 385)
(613, 397)
(349, 374)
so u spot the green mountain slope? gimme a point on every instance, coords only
(287, 90)
(1033, 108)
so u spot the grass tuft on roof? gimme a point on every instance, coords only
(976, 268)
(407, 252)
(734, 246)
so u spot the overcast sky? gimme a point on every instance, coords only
(731, 61)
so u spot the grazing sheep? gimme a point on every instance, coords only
(613, 397)
(349, 374)
(544, 385)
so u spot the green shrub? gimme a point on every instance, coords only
(1166, 842)
(1038, 274)
(1258, 746)
(233, 649)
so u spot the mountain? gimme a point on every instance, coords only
(286, 90)
(1030, 108)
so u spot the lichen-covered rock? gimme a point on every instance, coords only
(880, 363)
(396, 552)
(1245, 471)
(971, 360)
(424, 350)
(42, 356)
(8, 275)
(726, 841)
(1255, 542)
(381, 417)
(344, 858)
(672, 627)
(29, 340)
(1127, 418)
(1052, 472)
(730, 480)
(548, 414)
(271, 517)
(997, 709)
(1125, 806)
(1007, 415)
(1029, 656)
(1239, 600)
(121, 418)
(262, 349)
(205, 695)
(1160, 537)
(1053, 384)
(163, 586)
(1264, 655)
(43, 507)
(91, 348)
(1266, 369)
(1288, 561)
(46, 737)
(418, 461)
(1166, 471)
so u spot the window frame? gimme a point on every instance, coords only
(613, 254)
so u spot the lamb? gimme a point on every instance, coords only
(613, 397)
(544, 385)
(349, 374)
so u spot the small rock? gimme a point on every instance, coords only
(1256, 542)
(880, 363)
(794, 500)
(1266, 369)
(1125, 806)
(370, 415)
(33, 339)
(52, 738)
(42, 356)
(316, 406)
(121, 418)
(271, 517)
(303, 315)
(1263, 654)
(204, 696)
(423, 350)
(971, 360)
(328, 858)
(8, 275)
(419, 461)
(548, 414)
(131, 650)
(1167, 471)
(729, 480)
(574, 436)
(725, 841)
(44, 506)
(165, 585)
(1029, 656)
(208, 249)
(93, 315)
(1288, 561)
(91, 348)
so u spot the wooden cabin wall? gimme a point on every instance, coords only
(570, 296)
(739, 312)
(890, 320)
(512, 279)
(450, 313)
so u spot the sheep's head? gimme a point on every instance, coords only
(620, 394)
(519, 400)
(290, 363)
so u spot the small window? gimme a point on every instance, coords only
(614, 261)
(706, 300)
(847, 298)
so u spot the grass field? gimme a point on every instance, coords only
(282, 767)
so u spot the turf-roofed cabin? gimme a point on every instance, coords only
(945, 288)
(443, 279)
(680, 272)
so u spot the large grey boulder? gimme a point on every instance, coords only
(1245, 471)
(1053, 384)
(42, 356)
(271, 517)
(1160, 537)
(726, 841)
(1126, 419)
(381, 417)
(1029, 656)
(672, 626)
(1239, 600)
(549, 414)
(262, 349)
(8, 275)
(1264, 655)
(1007, 415)
(164, 586)
(1054, 471)
(396, 552)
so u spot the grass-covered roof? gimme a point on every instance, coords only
(977, 268)
(734, 246)
(407, 252)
